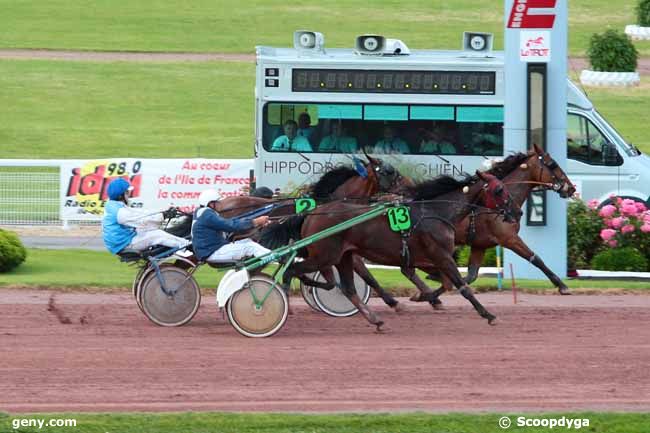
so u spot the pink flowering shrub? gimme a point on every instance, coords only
(625, 223)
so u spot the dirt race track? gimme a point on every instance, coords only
(546, 353)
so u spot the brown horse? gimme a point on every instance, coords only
(339, 183)
(342, 183)
(521, 173)
(438, 204)
(482, 230)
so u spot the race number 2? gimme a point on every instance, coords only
(399, 218)
(305, 205)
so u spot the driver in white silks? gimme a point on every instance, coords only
(133, 229)
(209, 232)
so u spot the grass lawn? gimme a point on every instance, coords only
(87, 110)
(221, 26)
(344, 423)
(95, 270)
(58, 109)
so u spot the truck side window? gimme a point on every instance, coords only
(585, 142)
(576, 136)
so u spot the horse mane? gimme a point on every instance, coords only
(437, 186)
(331, 180)
(508, 165)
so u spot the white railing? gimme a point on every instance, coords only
(29, 192)
(37, 192)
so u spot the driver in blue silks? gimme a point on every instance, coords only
(209, 231)
(134, 229)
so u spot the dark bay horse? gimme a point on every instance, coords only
(438, 204)
(482, 230)
(341, 183)
(521, 173)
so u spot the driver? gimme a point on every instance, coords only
(209, 231)
(135, 229)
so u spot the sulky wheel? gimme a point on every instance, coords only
(308, 292)
(334, 302)
(258, 321)
(176, 309)
(136, 282)
(140, 277)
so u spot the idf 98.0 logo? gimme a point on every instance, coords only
(88, 184)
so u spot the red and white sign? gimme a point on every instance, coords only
(158, 183)
(521, 16)
(535, 46)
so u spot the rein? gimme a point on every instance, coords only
(546, 184)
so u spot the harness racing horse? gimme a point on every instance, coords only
(339, 183)
(521, 173)
(344, 183)
(431, 242)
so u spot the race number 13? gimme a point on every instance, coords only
(399, 218)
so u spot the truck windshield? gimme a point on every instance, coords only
(378, 128)
(619, 140)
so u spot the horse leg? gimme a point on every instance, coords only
(434, 300)
(475, 261)
(426, 294)
(326, 272)
(448, 267)
(346, 272)
(361, 270)
(517, 245)
(296, 269)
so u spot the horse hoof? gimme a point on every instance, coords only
(491, 320)
(379, 327)
(421, 297)
(564, 291)
(399, 308)
(438, 306)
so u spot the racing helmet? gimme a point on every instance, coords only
(263, 192)
(117, 188)
(208, 196)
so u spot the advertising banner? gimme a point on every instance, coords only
(158, 183)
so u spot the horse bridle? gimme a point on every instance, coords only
(387, 176)
(557, 184)
(505, 209)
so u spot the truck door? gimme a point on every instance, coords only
(594, 163)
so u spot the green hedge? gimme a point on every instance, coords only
(583, 234)
(612, 51)
(643, 13)
(620, 259)
(12, 251)
(490, 259)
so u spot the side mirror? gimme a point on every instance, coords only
(611, 155)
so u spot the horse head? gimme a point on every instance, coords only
(549, 172)
(495, 195)
(387, 177)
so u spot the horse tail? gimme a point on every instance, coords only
(279, 235)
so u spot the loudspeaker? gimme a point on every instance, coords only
(307, 41)
(379, 45)
(478, 44)
(370, 44)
